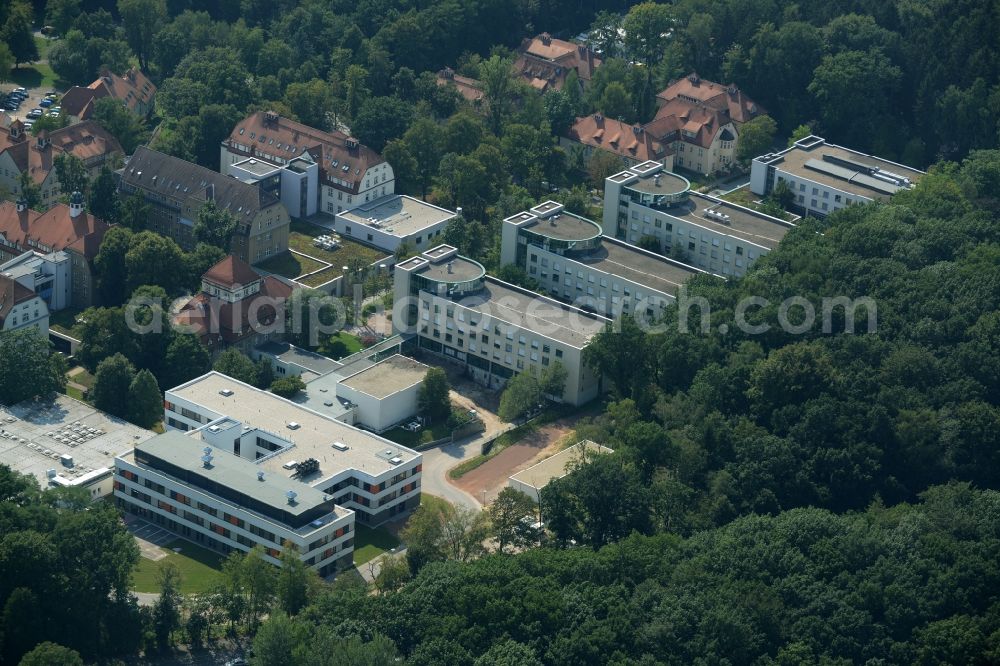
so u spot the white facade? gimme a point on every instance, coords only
(146, 485)
(295, 183)
(391, 221)
(493, 329)
(709, 233)
(380, 414)
(334, 196)
(30, 313)
(572, 260)
(48, 275)
(824, 177)
(359, 477)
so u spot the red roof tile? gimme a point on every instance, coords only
(270, 136)
(628, 141)
(12, 293)
(230, 272)
(51, 231)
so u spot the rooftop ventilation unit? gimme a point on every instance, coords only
(260, 476)
(291, 464)
(291, 495)
(213, 428)
(226, 392)
(340, 446)
(293, 425)
(396, 460)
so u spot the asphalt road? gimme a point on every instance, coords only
(438, 461)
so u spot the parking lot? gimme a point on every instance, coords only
(33, 103)
(149, 537)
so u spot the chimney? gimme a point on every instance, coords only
(22, 205)
(546, 38)
(451, 265)
(75, 204)
(210, 192)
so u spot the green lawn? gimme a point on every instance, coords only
(433, 502)
(84, 379)
(290, 265)
(371, 542)
(75, 393)
(200, 568)
(39, 75)
(64, 320)
(350, 344)
(321, 278)
(742, 196)
(412, 439)
(349, 252)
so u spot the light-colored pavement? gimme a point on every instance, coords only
(439, 460)
(370, 570)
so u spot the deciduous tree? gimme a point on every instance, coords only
(141, 20)
(432, 398)
(521, 395)
(234, 363)
(112, 381)
(756, 137)
(145, 400)
(507, 517)
(27, 366)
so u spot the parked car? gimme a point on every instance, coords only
(53, 114)
(21, 90)
(28, 124)
(52, 96)
(35, 113)
(13, 106)
(46, 102)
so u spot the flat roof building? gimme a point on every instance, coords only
(492, 328)
(392, 220)
(259, 447)
(709, 233)
(530, 481)
(386, 393)
(574, 261)
(375, 388)
(190, 485)
(63, 442)
(825, 177)
(299, 431)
